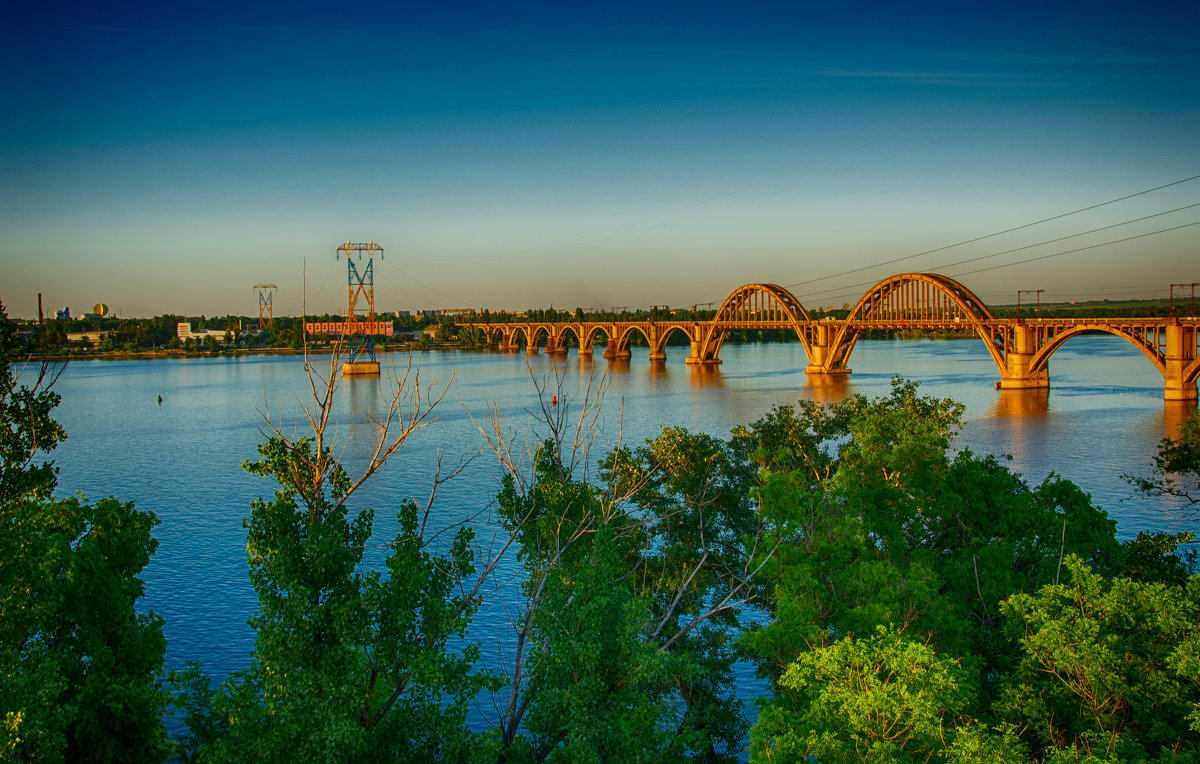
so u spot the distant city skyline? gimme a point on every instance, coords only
(166, 158)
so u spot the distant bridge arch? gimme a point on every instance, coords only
(911, 298)
(750, 306)
(1148, 346)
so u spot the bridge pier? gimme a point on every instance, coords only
(613, 354)
(696, 356)
(1179, 356)
(820, 351)
(658, 355)
(1019, 373)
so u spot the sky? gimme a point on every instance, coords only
(166, 157)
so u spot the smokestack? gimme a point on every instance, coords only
(41, 320)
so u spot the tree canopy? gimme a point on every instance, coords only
(80, 667)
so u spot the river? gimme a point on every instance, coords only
(1103, 417)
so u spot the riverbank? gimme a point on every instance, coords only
(736, 338)
(146, 355)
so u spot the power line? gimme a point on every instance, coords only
(1080, 249)
(422, 284)
(839, 291)
(993, 235)
(1064, 238)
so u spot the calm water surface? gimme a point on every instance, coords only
(1103, 417)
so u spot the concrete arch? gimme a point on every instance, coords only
(570, 329)
(756, 301)
(1042, 357)
(625, 336)
(590, 332)
(660, 347)
(495, 334)
(523, 331)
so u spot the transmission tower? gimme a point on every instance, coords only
(360, 308)
(265, 308)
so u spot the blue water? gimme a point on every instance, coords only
(1103, 416)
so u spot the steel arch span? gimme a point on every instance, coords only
(751, 306)
(910, 300)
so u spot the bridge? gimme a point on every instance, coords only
(1020, 347)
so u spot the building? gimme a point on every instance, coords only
(93, 336)
(183, 330)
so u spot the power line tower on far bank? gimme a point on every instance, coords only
(360, 326)
(266, 310)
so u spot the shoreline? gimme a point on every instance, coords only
(147, 355)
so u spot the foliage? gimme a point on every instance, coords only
(78, 664)
(880, 698)
(26, 427)
(347, 665)
(1109, 667)
(1176, 467)
(690, 495)
(597, 687)
(625, 645)
(878, 524)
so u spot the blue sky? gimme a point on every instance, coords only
(166, 157)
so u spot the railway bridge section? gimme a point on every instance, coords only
(1021, 348)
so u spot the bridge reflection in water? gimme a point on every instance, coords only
(1020, 347)
(1022, 404)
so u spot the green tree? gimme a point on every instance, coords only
(586, 681)
(1177, 466)
(1109, 668)
(691, 495)
(892, 528)
(79, 667)
(883, 698)
(624, 645)
(27, 429)
(595, 690)
(876, 522)
(347, 665)
(470, 338)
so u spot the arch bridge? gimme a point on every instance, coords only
(1020, 348)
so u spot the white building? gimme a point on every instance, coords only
(183, 330)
